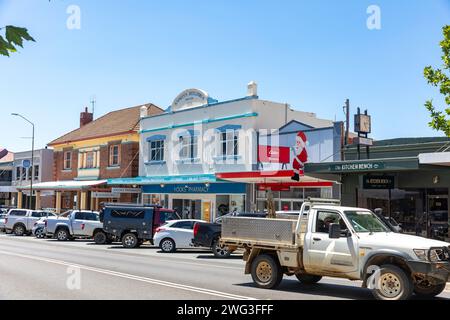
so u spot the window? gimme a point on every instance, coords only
(324, 219)
(189, 146)
(90, 160)
(67, 160)
(229, 143)
(18, 213)
(114, 156)
(36, 214)
(36, 173)
(157, 150)
(189, 225)
(366, 221)
(30, 173)
(19, 173)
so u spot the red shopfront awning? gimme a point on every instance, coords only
(276, 180)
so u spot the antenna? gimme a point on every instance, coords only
(93, 102)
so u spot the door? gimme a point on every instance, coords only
(183, 232)
(438, 221)
(34, 217)
(78, 222)
(206, 215)
(331, 255)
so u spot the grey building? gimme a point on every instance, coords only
(6, 171)
(23, 175)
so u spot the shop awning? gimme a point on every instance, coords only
(65, 185)
(174, 179)
(435, 158)
(7, 189)
(279, 177)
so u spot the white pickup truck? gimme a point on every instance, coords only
(75, 224)
(330, 240)
(21, 221)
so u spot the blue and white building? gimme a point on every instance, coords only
(201, 156)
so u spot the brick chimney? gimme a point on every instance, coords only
(86, 117)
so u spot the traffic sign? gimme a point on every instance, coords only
(26, 163)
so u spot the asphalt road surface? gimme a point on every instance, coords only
(47, 269)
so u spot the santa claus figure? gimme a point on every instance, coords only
(301, 155)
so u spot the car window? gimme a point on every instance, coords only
(18, 213)
(325, 218)
(79, 216)
(184, 225)
(36, 214)
(91, 216)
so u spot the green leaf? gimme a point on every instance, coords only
(16, 35)
(5, 47)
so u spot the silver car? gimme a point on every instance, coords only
(39, 230)
(2, 221)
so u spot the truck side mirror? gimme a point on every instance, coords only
(335, 231)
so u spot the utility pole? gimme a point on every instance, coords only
(347, 126)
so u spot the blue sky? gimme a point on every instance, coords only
(310, 54)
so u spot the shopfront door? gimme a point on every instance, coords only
(187, 208)
(438, 220)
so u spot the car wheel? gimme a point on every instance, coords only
(19, 230)
(308, 278)
(100, 238)
(39, 233)
(62, 235)
(219, 250)
(167, 246)
(130, 241)
(392, 283)
(266, 272)
(426, 290)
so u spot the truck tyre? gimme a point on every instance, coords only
(62, 234)
(130, 241)
(100, 237)
(167, 245)
(266, 272)
(392, 284)
(308, 278)
(19, 230)
(220, 251)
(426, 290)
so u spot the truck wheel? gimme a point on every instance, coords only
(62, 234)
(427, 290)
(167, 246)
(19, 230)
(220, 251)
(100, 237)
(308, 278)
(266, 272)
(130, 241)
(392, 284)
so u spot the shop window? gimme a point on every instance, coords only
(157, 150)
(114, 155)
(29, 173)
(19, 173)
(36, 173)
(67, 160)
(229, 143)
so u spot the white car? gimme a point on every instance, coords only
(175, 234)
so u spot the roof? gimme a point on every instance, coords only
(111, 124)
(65, 185)
(406, 141)
(8, 158)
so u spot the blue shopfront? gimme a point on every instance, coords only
(205, 201)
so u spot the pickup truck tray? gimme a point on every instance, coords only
(252, 230)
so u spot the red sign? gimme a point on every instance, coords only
(269, 154)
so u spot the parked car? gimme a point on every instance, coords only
(207, 235)
(134, 224)
(175, 234)
(21, 221)
(343, 242)
(2, 220)
(74, 224)
(39, 230)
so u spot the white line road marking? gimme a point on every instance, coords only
(133, 277)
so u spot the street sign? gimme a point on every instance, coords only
(363, 141)
(105, 195)
(26, 163)
(126, 190)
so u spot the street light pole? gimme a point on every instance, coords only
(32, 157)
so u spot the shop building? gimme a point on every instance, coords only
(409, 179)
(201, 156)
(6, 172)
(26, 172)
(86, 157)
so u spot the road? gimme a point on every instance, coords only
(47, 269)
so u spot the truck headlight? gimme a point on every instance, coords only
(422, 254)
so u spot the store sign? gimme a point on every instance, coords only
(105, 195)
(197, 188)
(126, 190)
(190, 98)
(378, 182)
(357, 166)
(269, 154)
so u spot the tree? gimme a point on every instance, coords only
(14, 37)
(440, 120)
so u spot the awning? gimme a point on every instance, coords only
(174, 179)
(65, 185)
(435, 158)
(7, 189)
(279, 177)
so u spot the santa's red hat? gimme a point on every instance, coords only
(301, 135)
